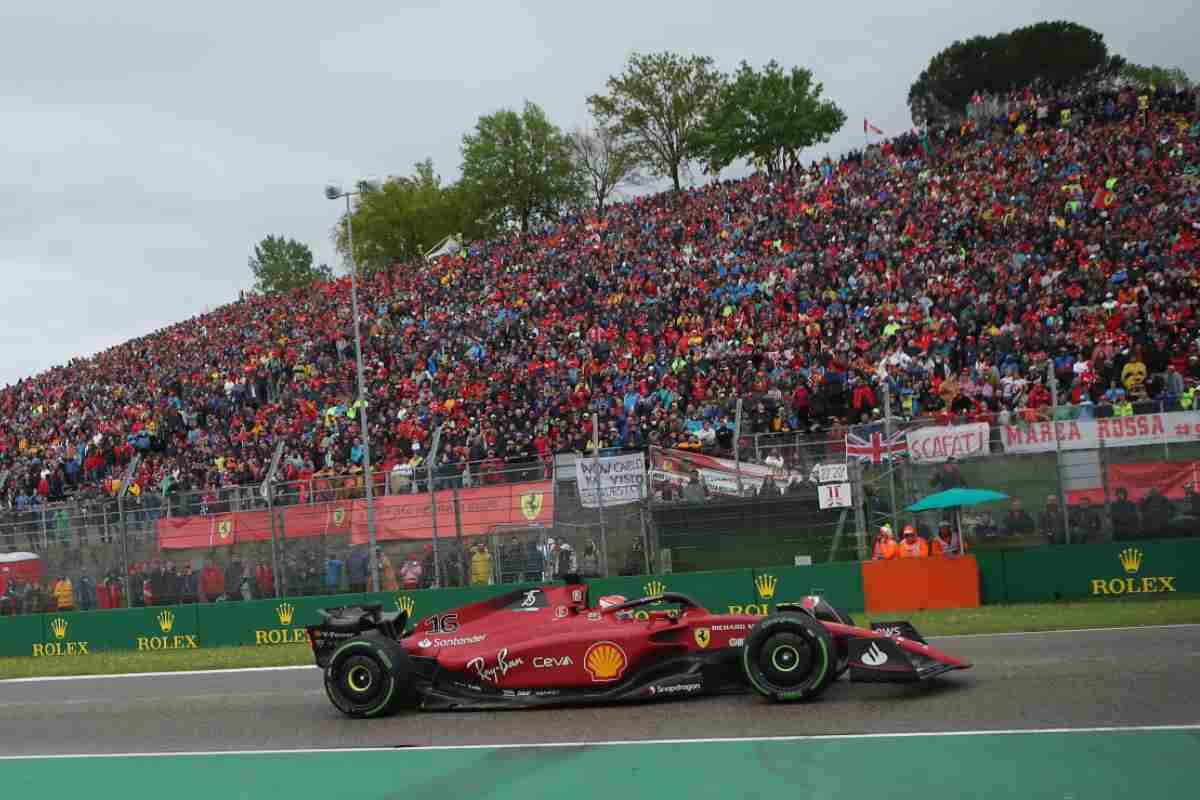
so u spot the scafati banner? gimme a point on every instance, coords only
(611, 480)
(937, 444)
(1139, 429)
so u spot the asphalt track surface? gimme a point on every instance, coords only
(1074, 679)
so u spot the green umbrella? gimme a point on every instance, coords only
(952, 498)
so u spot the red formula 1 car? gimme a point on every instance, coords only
(548, 646)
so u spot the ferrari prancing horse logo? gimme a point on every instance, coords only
(531, 505)
(703, 636)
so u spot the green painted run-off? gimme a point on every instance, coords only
(1081, 765)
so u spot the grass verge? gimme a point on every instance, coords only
(1099, 613)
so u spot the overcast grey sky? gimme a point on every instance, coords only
(148, 146)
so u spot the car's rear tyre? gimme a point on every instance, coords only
(789, 657)
(369, 676)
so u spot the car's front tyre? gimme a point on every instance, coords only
(369, 676)
(788, 657)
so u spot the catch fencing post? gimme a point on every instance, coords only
(600, 493)
(433, 454)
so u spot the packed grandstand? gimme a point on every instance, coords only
(956, 269)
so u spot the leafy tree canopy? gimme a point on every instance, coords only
(280, 265)
(657, 103)
(404, 217)
(1050, 55)
(767, 117)
(519, 168)
(1155, 75)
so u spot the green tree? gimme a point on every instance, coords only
(1155, 75)
(280, 264)
(657, 103)
(768, 118)
(1054, 55)
(403, 217)
(604, 161)
(517, 169)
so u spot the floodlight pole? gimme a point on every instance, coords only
(362, 394)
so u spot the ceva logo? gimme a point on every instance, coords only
(1131, 561)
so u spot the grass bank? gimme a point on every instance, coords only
(1099, 613)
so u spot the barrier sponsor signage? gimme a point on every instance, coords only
(1140, 429)
(78, 633)
(611, 480)
(936, 444)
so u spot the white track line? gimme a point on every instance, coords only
(49, 678)
(622, 743)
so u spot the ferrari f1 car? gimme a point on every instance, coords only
(548, 646)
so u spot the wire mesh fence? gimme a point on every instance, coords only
(693, 508)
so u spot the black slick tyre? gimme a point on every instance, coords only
(369, 676)
(789, 657)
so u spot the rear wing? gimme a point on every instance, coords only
(346, 622)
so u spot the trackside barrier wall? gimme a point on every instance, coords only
(1116, 570)
(1112, 571)
(913, 583)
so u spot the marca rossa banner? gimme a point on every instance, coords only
(1140, 429)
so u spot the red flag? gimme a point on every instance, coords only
(868, 127)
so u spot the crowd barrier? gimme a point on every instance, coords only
(1110, 571)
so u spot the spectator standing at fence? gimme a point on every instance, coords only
(913, 546)
(212, 582)
(589, 560)
(1017, 521)
(1050, 522)
(333, 574)
(358, 568)
(481, 565)
(1124, 515)
(411, 572)
(64, 594)
(1156, 515)
(428, 573)
(264, 578)
(87, 592)
(946, 541)
(885, 545)
(387, 573)
(1085, 523)
(189, 583)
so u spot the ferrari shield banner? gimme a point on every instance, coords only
(611, 480)
(1080, 434)
(937, 444)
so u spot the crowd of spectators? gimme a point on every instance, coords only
(955, 269)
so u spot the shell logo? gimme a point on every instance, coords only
(605, 661)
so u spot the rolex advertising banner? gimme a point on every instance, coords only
(611, 480)
(19, 634)
(81, 633)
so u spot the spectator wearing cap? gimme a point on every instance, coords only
(885, 548)
(912, 545)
